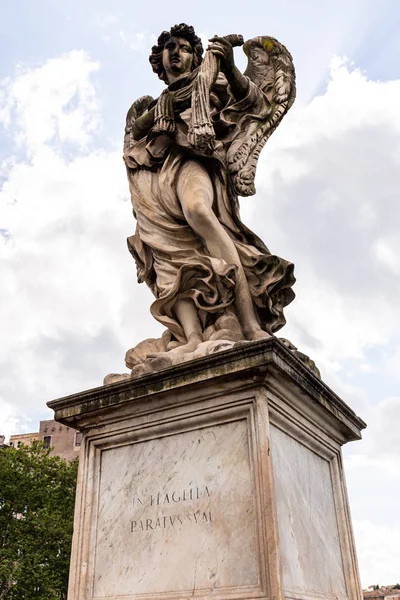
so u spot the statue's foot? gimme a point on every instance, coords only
(191, 346)
(257, 334)
(185, 349)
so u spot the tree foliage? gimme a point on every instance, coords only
(37, 496)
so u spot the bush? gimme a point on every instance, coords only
(37, 497)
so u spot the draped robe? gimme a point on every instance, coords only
(170, 257)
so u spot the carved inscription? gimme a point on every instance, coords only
(150, 521)
(171, 521)
(177, 513)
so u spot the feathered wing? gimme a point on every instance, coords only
(138, 108)
(270, 67)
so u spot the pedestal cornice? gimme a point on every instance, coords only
(249, 363)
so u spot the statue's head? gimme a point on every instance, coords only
(178, 52)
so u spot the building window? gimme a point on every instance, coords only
(78, 438)
(18, 444)
(12, 444)
(47, 441)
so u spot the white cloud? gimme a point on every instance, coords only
(68, 282)
(373, 476)
(328, 198)
(112, 31)
(378, 553)
(387, 251)
(54, 102)
(381, 442)
(106, 20)
(142, 41)
(107, 24)
(393, 363)
(122, 36)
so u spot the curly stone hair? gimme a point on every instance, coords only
(181, 31)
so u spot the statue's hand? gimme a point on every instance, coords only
(221, 48)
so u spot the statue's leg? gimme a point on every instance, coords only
(195, 193)
(186, 312)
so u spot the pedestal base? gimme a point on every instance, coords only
(221, 477)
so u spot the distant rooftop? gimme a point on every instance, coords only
(381, 592)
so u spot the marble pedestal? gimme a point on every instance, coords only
(218, 478)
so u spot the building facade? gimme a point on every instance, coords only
(386, 592)
(63, 441)
(26, 439)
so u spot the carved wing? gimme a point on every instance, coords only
(270, 67)
(138, 108)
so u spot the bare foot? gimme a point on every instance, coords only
(191, 346)
(257, 334)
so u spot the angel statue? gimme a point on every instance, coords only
(189, 154)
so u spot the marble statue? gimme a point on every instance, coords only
(189, 154)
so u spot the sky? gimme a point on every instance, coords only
(328, 187)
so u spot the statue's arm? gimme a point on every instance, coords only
(143, 124)
(238, 83)
(139, 120)
(222, 49)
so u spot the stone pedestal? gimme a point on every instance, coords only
(218, 478)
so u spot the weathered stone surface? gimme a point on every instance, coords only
(146, 362)
(189, 154)
(218, 477)
(180, 503)
(307, 523)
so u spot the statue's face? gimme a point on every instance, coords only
(177, 58)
